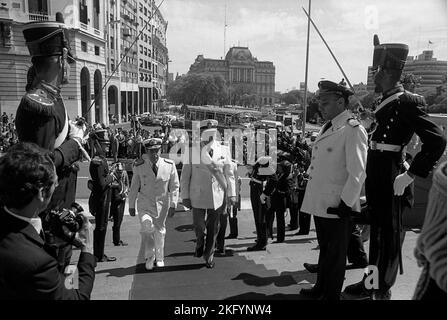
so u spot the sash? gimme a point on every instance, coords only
(388, 100)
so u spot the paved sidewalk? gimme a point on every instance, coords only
(277, 273)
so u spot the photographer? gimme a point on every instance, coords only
(29, 268)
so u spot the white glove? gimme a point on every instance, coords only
(77, 132)
(263, 197)
(401, 182)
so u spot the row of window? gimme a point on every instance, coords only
(84, 48)
(145, 77)
(145, 64)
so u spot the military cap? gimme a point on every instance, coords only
(152, 143)
(389, 55)
(329, 87)
(48, 38)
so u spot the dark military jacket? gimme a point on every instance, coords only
(279, 183)
(399, 119)
(41, 118)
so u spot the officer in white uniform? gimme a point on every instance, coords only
(208, 187)
(336, 176)
(156, 185)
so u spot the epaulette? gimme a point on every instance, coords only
(169, 161)
(38, 103)
(409, 97)
(353, 122)
(138, 162)
(97, 160)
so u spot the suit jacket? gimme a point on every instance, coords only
(155, 193)
(204, 188)
(29, 270)
(337, 169)
(101, 181)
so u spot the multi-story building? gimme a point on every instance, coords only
(240, 67)
(83, 95)
(116, 73)
(432, 72)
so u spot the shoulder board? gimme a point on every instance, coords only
(138, 162)
(353, 122)
(97, 160)
(409, 97)
(37, 102)
(169, 161)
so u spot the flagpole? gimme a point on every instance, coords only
(307, 72)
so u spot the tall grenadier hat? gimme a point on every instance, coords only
(48, 38)
(389, 55)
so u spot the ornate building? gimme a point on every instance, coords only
(241, 68)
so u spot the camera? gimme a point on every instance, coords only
(70, 218)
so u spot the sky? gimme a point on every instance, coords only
(276, 30)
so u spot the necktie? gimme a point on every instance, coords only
(327, 126)
(211, 153)
(155, 169)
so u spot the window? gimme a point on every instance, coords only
(97, 51)
(112, 64)
(83, 46)
(145, 11)
(112, 43)
(141, 49)
(141, 63)
(145, 51)
(149, 53)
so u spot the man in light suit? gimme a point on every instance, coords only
(155, 182)
(208, 187)
(336, 176)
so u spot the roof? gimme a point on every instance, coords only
(227, 110)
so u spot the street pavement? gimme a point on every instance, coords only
(274, 274)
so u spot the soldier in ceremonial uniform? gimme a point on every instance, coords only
(336, 176)
(101, 187)
(156, 185)
(399, 116)
(41, 117)
(257, 181)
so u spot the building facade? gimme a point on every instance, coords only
(106, 78)
(241, 68)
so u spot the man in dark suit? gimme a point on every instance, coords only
(28, 268)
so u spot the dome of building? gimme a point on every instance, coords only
(239, 53)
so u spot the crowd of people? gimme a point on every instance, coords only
(8, 134)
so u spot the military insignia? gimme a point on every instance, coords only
(138, 162)
(38, 103)
(353, 122)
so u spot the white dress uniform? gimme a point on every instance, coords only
(156, 194)
(201, 186)
(337, 169)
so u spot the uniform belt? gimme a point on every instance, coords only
(384, 147)
(256, 181)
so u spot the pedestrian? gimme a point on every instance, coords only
(398, 117)
(101, 192)
(336, 176)
(156, 185)
(41, 116)
(208, 187)
(120, 190)
(431, 246)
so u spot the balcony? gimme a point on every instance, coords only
(38, 17)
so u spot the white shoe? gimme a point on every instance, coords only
(160, 263)
(150, 263)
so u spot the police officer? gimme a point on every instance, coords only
(41, 116)
(156, 185)
(336, 176)
(257, 180)
(101, 192)
(399, 115)
(120, 189)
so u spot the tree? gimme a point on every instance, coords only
(292, 97)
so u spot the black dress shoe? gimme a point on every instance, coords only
(358, 289)
(121, 243)
(199, 252)
(301, 233)
(381, 295)
(256, 248)
(311, 293)
(312, 268)
(106, 259)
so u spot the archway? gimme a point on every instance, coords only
(85, 93)
(155, 98)
(112, 98)
(98, 96)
